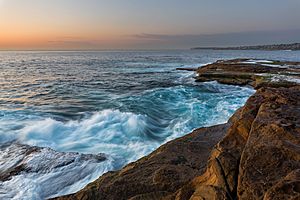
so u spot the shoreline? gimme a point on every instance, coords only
(225, 161)
(274, 47)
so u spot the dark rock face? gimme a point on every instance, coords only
(8, 170)
(256, 155)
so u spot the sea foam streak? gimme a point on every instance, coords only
(109, 131)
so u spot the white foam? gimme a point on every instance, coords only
(47, 173)
(106, 131)
(223, 107)
(264, 61)
(278, 66)
(278, 78)
(251, 61)
(124, 136)
(119, 135)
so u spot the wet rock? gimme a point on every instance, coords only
(21, 165)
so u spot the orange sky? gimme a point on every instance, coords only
(28, 25)
(106, 24)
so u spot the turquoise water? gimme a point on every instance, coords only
(122, 104)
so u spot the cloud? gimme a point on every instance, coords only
(74, 42)
(226, 39)
(165, 41)
(69, 42)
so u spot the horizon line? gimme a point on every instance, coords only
(145, 49)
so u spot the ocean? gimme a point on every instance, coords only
(122, 104)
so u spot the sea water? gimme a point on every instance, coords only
(124, 104)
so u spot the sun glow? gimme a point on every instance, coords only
(139, 24)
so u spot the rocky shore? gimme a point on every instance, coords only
(255, 155)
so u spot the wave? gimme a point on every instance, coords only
(145, 122)
(108, 131)
(125, 135)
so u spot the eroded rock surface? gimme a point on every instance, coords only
(256, 155)
(272, 151)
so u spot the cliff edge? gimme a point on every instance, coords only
(255, 155)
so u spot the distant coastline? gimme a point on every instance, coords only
(274, 47)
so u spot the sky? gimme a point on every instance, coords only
(151, 24)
